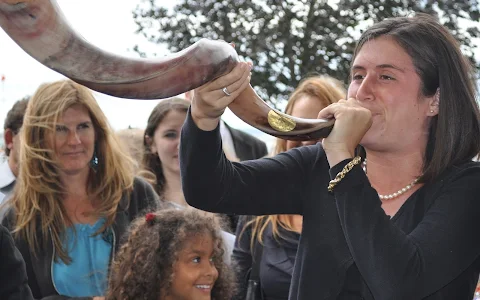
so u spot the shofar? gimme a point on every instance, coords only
(40, 28)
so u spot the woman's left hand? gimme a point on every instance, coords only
(352, 121)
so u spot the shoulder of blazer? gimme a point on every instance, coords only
(243, 139)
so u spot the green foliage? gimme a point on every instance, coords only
(289, 39)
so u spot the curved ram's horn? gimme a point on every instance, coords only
(39, 28)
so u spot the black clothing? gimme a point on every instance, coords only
(13, 276)
(276, 265)
(349, 248)
(247, 147)
(142, 198)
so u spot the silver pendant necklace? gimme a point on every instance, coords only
(397, 193)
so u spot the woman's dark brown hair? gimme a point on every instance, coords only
(454, 134)
(152, 166)
(14, 119)
(144, 265)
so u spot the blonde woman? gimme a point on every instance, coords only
(279, 234)
(75, 195)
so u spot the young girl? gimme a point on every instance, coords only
(172, 254)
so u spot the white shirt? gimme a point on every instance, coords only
(227, 140)
(6, 175)
(6, 180)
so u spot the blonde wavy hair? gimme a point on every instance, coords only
(325, 89)
(37, 200)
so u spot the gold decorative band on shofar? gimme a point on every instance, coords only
(280, 122)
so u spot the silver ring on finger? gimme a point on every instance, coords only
(225, 91)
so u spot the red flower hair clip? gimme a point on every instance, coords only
(150, 217)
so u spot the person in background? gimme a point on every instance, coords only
(172, 254)
(161, 166)
(9, 168)
(161, 142)
(161, 139)
(279, 235)
(75, 195)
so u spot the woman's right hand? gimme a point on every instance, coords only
(352, 121)
(209, 101)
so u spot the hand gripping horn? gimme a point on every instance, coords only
(40, 28)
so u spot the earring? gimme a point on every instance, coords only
(437, 99)
(94, 161)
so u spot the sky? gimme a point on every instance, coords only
(109, 25)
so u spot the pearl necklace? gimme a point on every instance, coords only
(397, 193)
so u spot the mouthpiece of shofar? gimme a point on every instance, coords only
(40, 28)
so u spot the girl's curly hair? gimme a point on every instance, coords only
(144, 265)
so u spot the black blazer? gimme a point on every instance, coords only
(276, 263)
(247, 147)
(13, 275)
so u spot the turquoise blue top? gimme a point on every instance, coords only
(86, 275)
